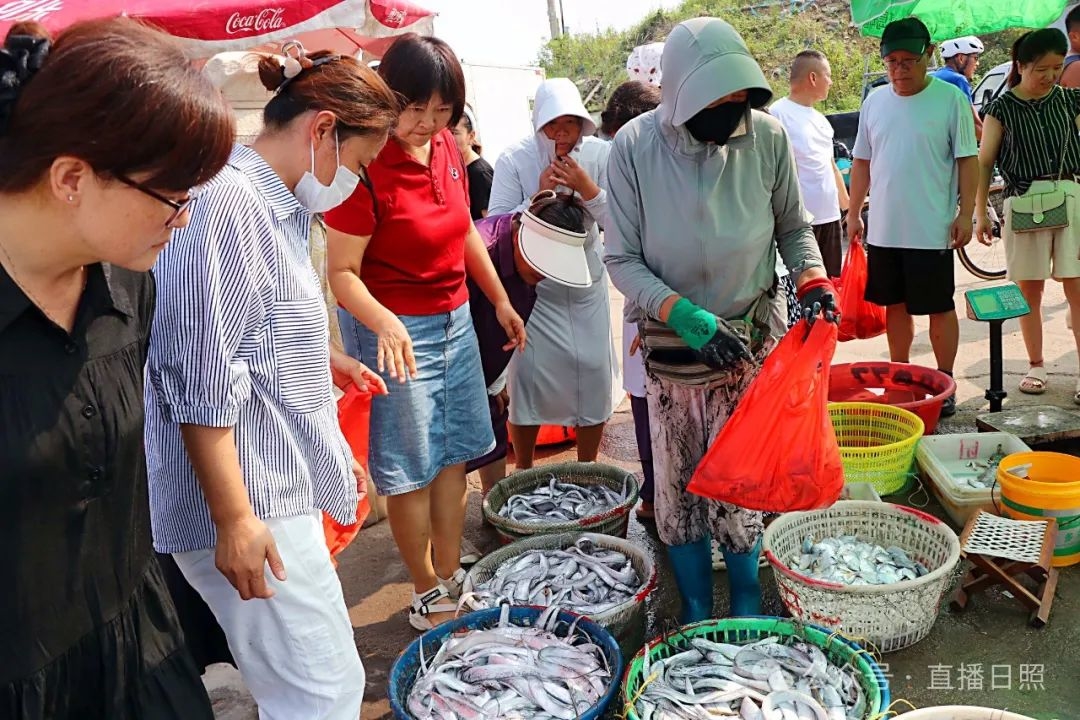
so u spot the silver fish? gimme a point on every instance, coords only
(561, 502)
(521, 673)
(987, 470)
(585, 578)
(764, 680)
(849, 561)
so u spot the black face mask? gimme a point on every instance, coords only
(716, 124)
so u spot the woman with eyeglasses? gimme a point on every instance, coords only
(102, 135)
(244, 448)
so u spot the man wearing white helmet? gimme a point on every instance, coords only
(961, 58)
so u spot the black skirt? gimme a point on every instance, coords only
(205, 639)
(134, 667)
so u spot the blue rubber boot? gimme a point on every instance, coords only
(692, 564)
(743, 583)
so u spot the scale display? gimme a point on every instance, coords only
(1001, 302)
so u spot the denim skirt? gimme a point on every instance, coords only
(437, 419)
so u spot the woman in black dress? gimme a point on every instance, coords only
(102, 137)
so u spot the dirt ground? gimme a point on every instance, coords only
(985, 656)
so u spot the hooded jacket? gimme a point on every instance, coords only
(518, 169)
(696, 219)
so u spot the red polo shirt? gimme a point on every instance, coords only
(415, 261)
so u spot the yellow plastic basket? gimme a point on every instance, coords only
(877, 443)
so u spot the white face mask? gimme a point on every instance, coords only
(320, 198)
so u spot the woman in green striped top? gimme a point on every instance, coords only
(1030, 133)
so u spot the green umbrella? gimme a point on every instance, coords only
(954, 18)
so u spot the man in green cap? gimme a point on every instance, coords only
(916, 147)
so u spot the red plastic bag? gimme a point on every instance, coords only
(778, 451)
(859, 319)
(354, 417)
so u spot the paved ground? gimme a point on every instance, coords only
(1031, 671)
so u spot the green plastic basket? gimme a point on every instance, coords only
(744, 630)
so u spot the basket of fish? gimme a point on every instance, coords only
(874, 571)
(754, 668)
(603, 577)
(564, 497)
(962, 712)
(517, 663)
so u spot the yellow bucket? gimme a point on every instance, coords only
(1051, 488)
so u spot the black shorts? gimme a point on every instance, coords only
(829, 242)
(921, 280)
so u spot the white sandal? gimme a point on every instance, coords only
(454, 583)
(1034, 383)
(428, 603)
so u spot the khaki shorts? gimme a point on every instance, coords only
(1044, 254)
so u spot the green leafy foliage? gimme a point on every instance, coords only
(774, 30)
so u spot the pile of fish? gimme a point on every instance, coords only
(850, 561)
(511, 672)
(584, 578)
(765, 680)
(986, 469)
(561, 502)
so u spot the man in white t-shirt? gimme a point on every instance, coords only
(916, 148)
(822, 185)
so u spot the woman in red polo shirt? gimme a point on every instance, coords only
(397, 255)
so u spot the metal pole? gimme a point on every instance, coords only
(562, 18)
(553, 22)
(996, 393)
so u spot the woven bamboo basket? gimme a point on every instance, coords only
(626, 621)
(962, 712)
(889, 617)
(612, 522)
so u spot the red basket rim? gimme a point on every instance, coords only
(950, 384)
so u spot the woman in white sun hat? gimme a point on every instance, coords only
(566, 373)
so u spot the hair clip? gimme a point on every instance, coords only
(23, 56)
(290, 66)
(295, 62)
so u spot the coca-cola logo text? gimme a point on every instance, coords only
(29, 9)
(262, 22)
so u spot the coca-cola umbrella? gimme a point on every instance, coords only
(212, 26)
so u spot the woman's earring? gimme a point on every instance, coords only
(71, 198)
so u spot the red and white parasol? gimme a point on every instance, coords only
(213, 26)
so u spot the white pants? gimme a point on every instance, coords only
(295, 651)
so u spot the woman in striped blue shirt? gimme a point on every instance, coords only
(242, 437)
(1030, 133)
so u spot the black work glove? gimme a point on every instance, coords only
(724, 349)
(818, 299)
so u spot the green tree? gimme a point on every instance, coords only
(774, 31)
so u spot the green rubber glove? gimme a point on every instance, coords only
(696, 326)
